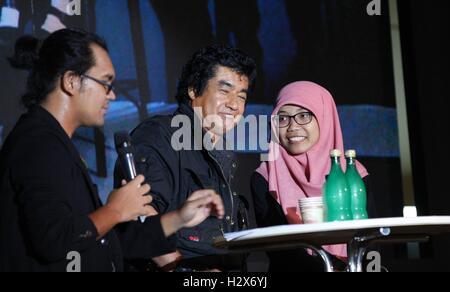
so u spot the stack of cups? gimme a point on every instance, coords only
(312, 210)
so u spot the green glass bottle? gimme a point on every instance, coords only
(357, 188)
(336, 192)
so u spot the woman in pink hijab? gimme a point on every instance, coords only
(309, 129)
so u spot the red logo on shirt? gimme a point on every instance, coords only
(194, 238)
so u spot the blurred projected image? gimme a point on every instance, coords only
(38, 18)
(328, 42)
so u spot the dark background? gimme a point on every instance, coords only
(332, 42)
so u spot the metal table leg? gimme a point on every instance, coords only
(358, 247)
(324, 255)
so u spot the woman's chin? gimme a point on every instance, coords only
(295, 149)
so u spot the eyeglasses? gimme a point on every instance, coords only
(302, 119)
(108, 87)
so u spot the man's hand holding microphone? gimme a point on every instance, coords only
(132, 200)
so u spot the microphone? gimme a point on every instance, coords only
(125, 151)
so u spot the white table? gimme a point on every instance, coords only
(357, 234)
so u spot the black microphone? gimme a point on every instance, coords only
(125, 151)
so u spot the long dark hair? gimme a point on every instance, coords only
(64, 50)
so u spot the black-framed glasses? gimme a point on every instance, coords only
(303, 118)
(108, 87)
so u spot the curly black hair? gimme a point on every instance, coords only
(203, 65)
(64, 50)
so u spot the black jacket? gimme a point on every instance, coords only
(175, 175)
(46, 195)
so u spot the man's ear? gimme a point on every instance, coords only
(191, 93)
(70, 83)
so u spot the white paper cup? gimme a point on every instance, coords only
(312, 210)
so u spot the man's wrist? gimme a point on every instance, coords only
(179, 222)
(171, 223)
(113, 213)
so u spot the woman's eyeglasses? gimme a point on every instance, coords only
(302, 119)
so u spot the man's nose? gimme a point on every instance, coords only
(233, 103)
(112, 95)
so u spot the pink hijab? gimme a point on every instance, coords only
(290, 177)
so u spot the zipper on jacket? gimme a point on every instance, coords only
(230, 193)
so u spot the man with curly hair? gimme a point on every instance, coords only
(212, 91)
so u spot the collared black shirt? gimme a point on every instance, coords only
(46, 195)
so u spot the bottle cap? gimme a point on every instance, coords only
(350, 154)
(336, 153)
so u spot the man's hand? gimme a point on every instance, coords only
(131, 201)
(125, 204)
(199, 206)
